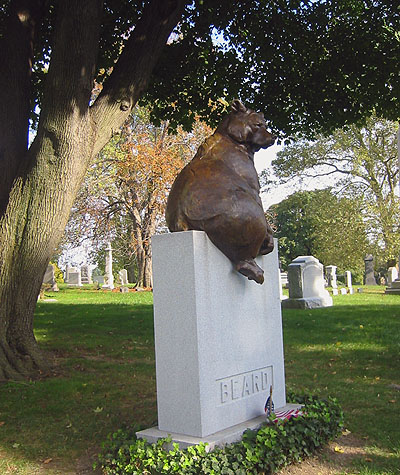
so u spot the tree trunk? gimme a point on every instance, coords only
(51, 171)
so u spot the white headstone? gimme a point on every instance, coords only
(343, 291)
(123, 276)
(218, 339)
(109, 278)
(49, 278)
(331, 276)
(349, 285)
(392, 274)
(86, 275)
(74, 278)
(306, 284)
(98, 278)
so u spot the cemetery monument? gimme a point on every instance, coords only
(218, 336)
(369, 270)
(306, 284)
(109, 278)
(49, 278)
(86, 274)
(331, 278)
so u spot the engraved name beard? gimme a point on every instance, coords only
(244, 385)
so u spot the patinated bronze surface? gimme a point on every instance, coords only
(218, 191)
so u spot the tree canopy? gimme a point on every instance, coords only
(364, 161)
(321, 224)
(124, 194)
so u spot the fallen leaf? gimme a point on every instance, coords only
(98, 409)
(338, 449)
(368, 459)
(15, 446)
(392, 401)
(2, 423)
(346, 432)
(47, 460)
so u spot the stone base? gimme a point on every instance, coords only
(307, 303)
(392, 291)
(218, 439)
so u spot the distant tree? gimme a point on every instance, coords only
(364, 160)
(320, 224)
(124, 194)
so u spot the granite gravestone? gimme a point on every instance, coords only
(49, 278)
(306, 284)
(86, 275)
(331, 278)
(123, 276)
(218, 342)
(109, 278)
(74, 278)
(369, 270)
(349, 285)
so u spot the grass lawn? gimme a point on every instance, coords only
(103, 347)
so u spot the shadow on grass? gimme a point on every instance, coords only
(105, 378)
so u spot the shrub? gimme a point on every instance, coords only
(268, 449)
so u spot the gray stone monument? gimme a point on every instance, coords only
(218, 342)
(109, 278)
(98, 278)
(123, 276)
(394, 286)
(74, 278)
(49, 278)
(86, 274)
(331, 278)
(306, 284)
(392, 275)
(369, 278)
(349, 285)
(66, 273)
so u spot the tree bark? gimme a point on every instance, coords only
(48, 175)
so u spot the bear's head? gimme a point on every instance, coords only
(246, 127)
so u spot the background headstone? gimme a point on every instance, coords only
(123, 276)
(49, 278)
(74, 278)
(86, 274)
(109, 278)
(369, 270)
(306, 284)
(98, 278)
(349, 284)
(330, 272)
(392, 274)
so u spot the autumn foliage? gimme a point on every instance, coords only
(125, 192)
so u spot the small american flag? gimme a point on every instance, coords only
(287, 414)
(280, 414)
(269, 405)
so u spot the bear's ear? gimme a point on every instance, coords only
(237, 106)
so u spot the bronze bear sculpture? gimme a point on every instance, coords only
(218, 191)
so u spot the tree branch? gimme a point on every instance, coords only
(72, 67)
(132, 72)
(16, 55)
